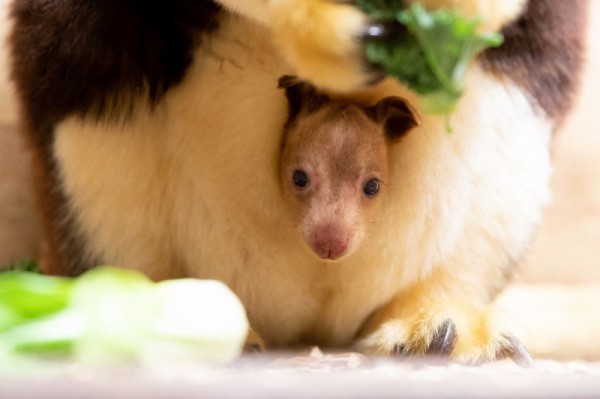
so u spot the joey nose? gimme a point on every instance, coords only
(330, 242)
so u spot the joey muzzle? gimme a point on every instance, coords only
(330, 242)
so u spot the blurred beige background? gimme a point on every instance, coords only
(568, 246)
(19, 229)
(7, 107)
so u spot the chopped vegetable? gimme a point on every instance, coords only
(432, 57)
(112, 315)
(26, 295)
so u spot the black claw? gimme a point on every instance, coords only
(255, 347)
(376, 75)
(399, 350)
(517, 352)
(383, 30)
(443, 340)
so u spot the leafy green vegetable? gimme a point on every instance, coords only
(25, 295)
(110, 315)
(432, 59)
(55, 334)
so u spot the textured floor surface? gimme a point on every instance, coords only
(316, 376)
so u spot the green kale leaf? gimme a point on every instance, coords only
(433, 56)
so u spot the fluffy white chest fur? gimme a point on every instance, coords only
(195, 179)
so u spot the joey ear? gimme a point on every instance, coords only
(301, 95)
(396, 116)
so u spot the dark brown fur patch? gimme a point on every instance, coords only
(80, 56)
(543, 53)
(63, 251)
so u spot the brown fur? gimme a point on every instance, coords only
(543, 52)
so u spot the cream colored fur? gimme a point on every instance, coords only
(191, 189)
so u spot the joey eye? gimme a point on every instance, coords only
(372, 187)
(300, 179)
